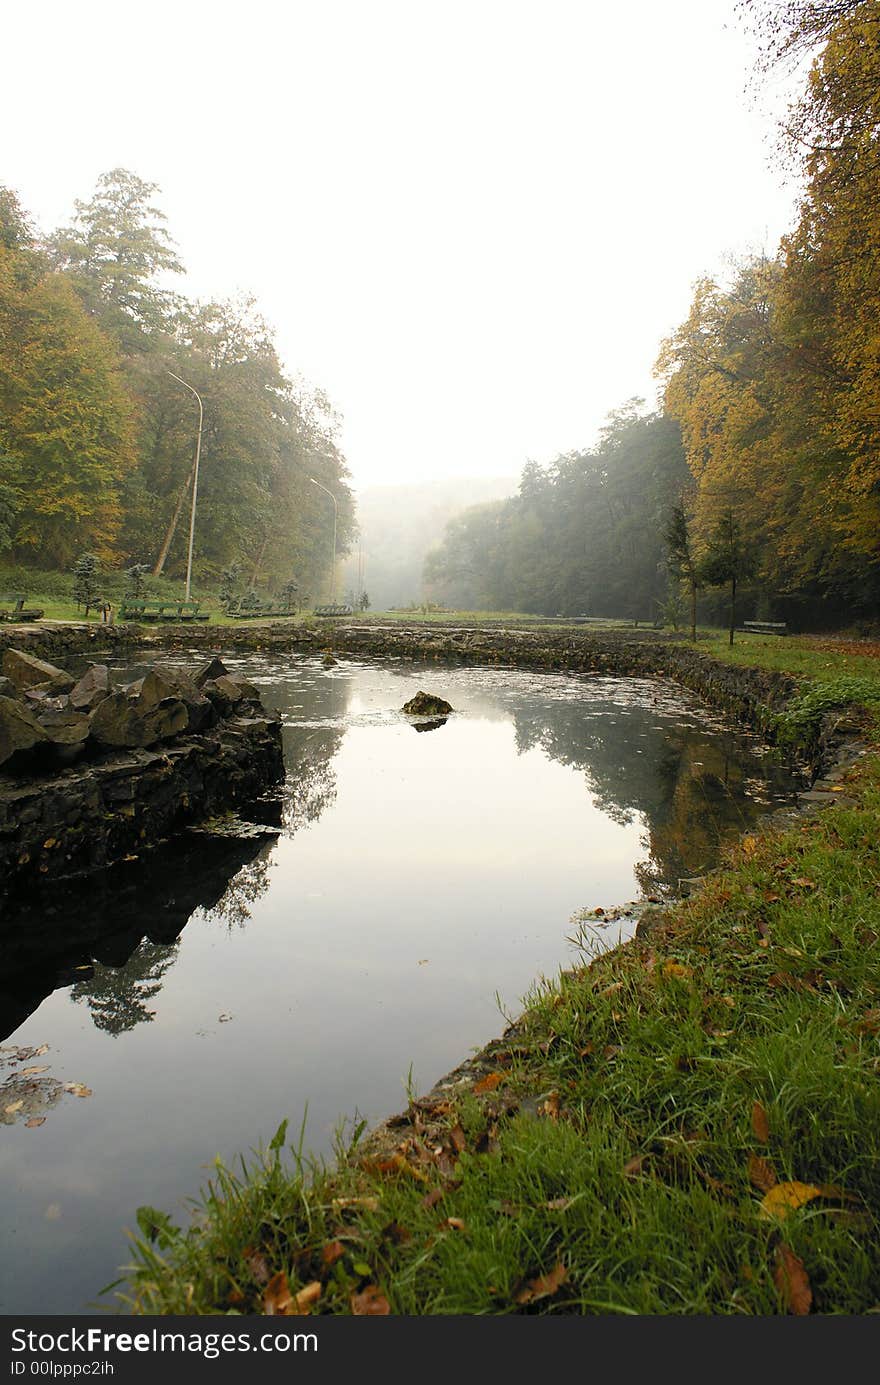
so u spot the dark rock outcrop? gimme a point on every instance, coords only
(26, 671)
(427, 705)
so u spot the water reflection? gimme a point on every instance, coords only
(70, 936)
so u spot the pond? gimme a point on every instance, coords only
(411, 884)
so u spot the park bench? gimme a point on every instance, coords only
(764, 627)
(333, 611)
(141, 609)
(12, 608)
(240, 611)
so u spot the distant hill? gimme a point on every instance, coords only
(400, 523)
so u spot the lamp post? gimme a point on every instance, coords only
(192, 515)
(333, 559)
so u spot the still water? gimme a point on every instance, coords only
(415, 885)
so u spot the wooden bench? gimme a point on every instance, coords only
(267, 608)
(162, 610)
(764, 627)
(333, 611)
(12, 608)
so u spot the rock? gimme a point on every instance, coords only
(249, 691)
(208, 672)
(91, 689)
(7, 688)
(19, 729)
(328, 661)
(429, 725)
(426, 705)
(64, 726)
(27, 672)
(225, 693)
(179, 684)
(125, 719)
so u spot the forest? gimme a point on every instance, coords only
(762, 466)
(101, 364)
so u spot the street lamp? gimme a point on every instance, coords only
(333, 559)
(192, 515)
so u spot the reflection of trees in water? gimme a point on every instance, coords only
(309, 751)
(692, 786)
(118, 997)
(244, 889)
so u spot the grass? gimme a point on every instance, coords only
(620, 1156)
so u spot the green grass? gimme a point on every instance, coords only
(631, 1175)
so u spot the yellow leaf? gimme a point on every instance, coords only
(676, 969)
(787, 1197)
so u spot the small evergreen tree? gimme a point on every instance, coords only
(365, 601)
(229, 580)
(135, 583)
(86, 572)
(728, 559)
(682, 562)
(288, 595)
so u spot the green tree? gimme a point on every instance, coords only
(728, 558)
(86, 581)
(682, 560)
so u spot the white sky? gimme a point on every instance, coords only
(470, 223)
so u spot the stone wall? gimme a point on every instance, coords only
(117, 768)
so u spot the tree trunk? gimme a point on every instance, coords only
(732, 607)
(172, 526)
(258, 564)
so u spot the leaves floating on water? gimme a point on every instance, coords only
(78, 1089)
(35, 1121)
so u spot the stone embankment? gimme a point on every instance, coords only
(93, 771)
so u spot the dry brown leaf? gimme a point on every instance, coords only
(457, 1139)
(792, 1281)
(13, 1107)
(633, 1167)
(671, 968)
(368, 1204)
(544, 1286)
(431, 1199)
(32, 1071)
(77, 1089)
(488, 1083)
(308, 1296)
(257, 1264)
(749, 845)
(333, 1251)
(550, 1106)
(760, 1123)
(777, 1202)
(35, 1121)
(454, 1224)
(762, 1174)
(277, 1300)
(804, 882)
(370, 1302)
(396, 1233)
(559, 1204)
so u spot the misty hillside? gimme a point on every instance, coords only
(399, 524)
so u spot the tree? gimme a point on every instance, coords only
(135, 584)
(115, 250)
(682, 560)
(86, 589)
(727, 559)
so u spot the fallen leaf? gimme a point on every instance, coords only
(13, 1107)
(370, 1302)
(458, 1138)
(34, 1121)
(454, 1224)
(78, 1089)
(559, 1204)
(633, 1167)
(787, 1197)
(396, 1233)
(544, 1286)
(804, 882)
(333, 1251)
(760, 1123)
(257, 1264)
(308, 1296)
(761, 1173)
(369, 1204)
(431, 1199)
(676, 969)
(38, 1052)
(749, 845)
(277, 1300)
(792, 1281)
(31, 1072)
(550, 1107)
(488, 1083)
